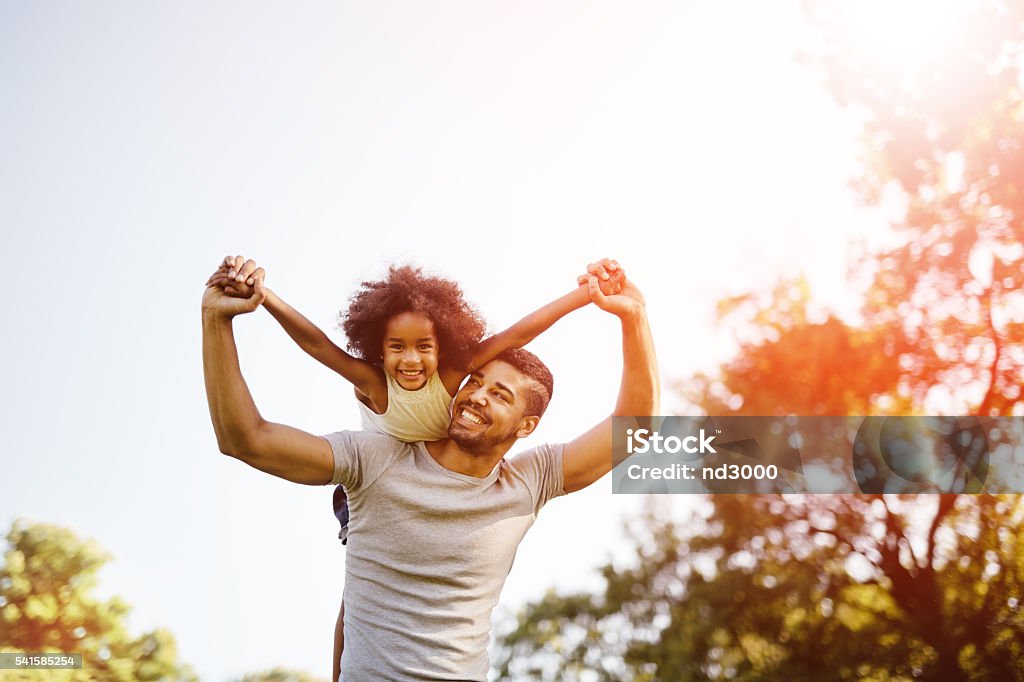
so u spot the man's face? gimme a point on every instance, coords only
(490, 408)
(410, 350)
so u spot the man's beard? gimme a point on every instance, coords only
(478, 441)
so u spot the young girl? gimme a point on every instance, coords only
(413, 340)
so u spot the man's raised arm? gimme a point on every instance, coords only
(241, 432)
(589, 457)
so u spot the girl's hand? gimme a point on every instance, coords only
(237, 277)
(225, 297)
(611, 277)
(629, 302)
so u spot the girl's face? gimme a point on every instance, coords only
(410, 350)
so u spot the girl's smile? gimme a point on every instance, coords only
(410, 350)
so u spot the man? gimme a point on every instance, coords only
(435, 526)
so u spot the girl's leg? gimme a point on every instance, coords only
(339, 641)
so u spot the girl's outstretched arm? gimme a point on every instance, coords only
(367, 378)
(237, 279)
(529, 328)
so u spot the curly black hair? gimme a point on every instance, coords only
(458, 325)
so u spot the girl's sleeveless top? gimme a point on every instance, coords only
(412, 415)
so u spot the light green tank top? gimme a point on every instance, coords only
(412, 415)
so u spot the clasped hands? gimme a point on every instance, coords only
(236, 287)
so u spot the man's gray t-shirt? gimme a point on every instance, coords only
(428, 553)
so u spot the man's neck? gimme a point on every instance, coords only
(452, 457)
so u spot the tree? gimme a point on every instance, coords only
(47, 604)
(795, 588)
(843, 587)
(944, 133)
(803, 360)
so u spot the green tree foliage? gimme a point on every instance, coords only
(852, 587)
(47, 604)
(805, 588)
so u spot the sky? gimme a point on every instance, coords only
(502, 145)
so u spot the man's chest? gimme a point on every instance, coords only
(460, 531)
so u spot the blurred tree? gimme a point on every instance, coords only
(799, 588)
(47, 604)
(843, 587)
(802, 360)
(939, 86)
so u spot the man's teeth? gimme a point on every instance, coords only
(409, 372)
(472, 417)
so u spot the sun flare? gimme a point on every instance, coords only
(908, 34)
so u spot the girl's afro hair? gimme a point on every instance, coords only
(457, 324)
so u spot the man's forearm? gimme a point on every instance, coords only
(232, 410)
(588, 457)
(640, 390)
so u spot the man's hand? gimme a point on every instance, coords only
(610, 290)
(588, 457)
(237, 276)
(627, 303)
(241, 432)
(610, 276)
(235, 288)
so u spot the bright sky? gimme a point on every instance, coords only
(504, 145)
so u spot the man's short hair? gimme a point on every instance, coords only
(540, 385)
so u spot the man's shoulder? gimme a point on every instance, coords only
(366, 438)
(361, 456)
(545, 454)
(540, 469)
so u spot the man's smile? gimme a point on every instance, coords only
(471, 416)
